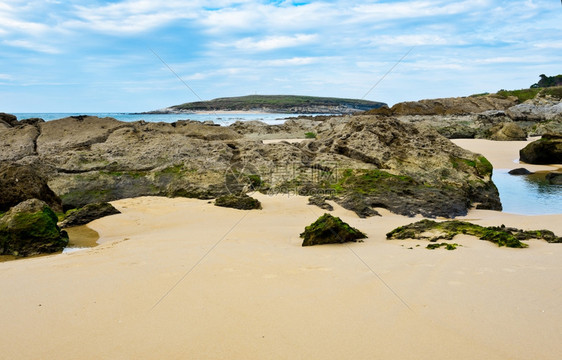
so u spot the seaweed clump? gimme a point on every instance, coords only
(241, 202)
(329, 229)
(447, 230)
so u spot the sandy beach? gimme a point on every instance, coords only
(183, 279)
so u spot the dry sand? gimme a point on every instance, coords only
(183, 279)
(503, 154)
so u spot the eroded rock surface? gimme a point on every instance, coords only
(361, 162)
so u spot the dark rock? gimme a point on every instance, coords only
(520, 171)
(31, 121)
(330, 230)
(241, 202)
(547, 150)
(88, 213)
(320, 202)
(9, 119)
(30, 228)
(20, 182)
(554, 178)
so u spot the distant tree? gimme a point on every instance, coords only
(548, 81)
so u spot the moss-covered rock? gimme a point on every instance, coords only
(88, 213)
(447, 230)
(447, 246)
(241, 202)
(30, 228)
(330, 230)
(547, 150)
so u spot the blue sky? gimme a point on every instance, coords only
(95, 56)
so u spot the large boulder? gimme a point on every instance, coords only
(30, 228)
(547, 150)
(329, 229)
(508, 131)
(21, 182)
(89, 213)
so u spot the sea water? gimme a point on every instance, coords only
(218, 118)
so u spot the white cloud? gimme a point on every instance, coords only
(5, 77)
(33, 46)
(126, 18)
(414, 9)
(274, 42)
(548, 45)
(413, 40)
(296, 61)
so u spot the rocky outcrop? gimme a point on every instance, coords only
(30, 228)
(408, 170)
(448, 106)
(360, 162)
(537, 109)
(330, 230)
(88, 214)
(20, 182)
(547, 150)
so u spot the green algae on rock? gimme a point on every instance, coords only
(330, 230)
(447, 230)
(30, 228)
(241, 202)
(447, 246)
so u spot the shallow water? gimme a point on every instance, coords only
(528, 194)
(222, 119)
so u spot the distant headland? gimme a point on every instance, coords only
(287, 104)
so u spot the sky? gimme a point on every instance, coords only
(113, 56)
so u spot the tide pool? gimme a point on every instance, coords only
(528, 194)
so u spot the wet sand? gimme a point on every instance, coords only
(181, 278)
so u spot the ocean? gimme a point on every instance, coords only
(222, 119)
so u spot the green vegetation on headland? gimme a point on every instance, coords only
(447, 230)
(278, 103)
(547, 86)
